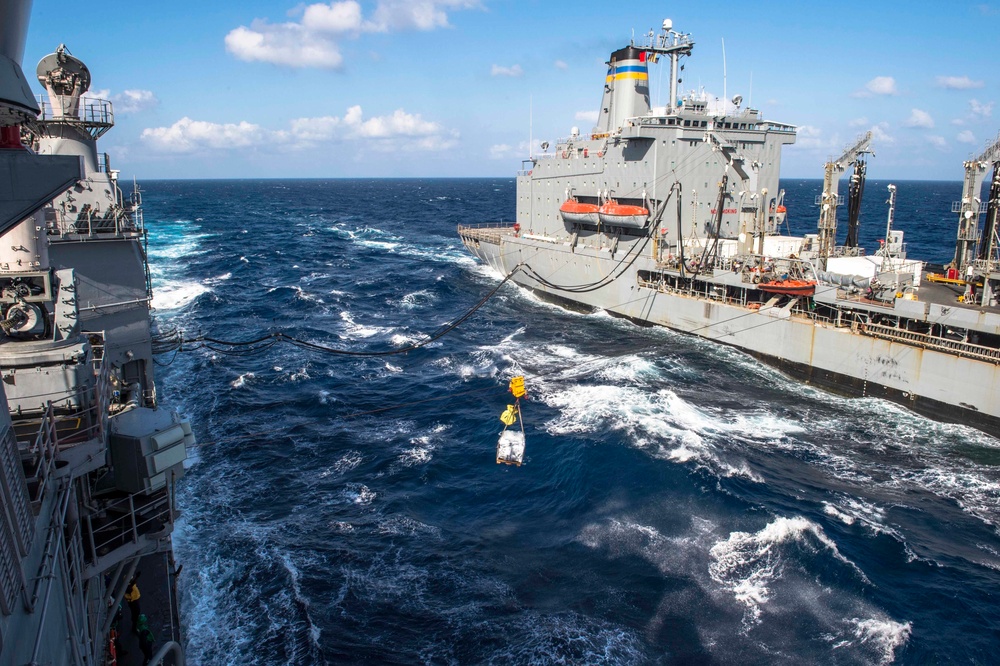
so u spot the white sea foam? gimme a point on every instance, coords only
(417, 455)
(405, 526)
(747, 564)
(358, 493)
(882, 634)
(352, 329)
(405, 340)
(347, 461)
(299, 375)
(417, 299)
(176, 294)
(421, 448)
(242, 380)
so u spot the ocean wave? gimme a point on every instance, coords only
(746, 564)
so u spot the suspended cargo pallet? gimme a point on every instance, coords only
(510, 447)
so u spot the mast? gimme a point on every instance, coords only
(886, 255)
(672, 44)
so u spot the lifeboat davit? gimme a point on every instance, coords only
(790, 287)
(621, 215)
(580, 213)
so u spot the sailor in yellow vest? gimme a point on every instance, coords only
(132, 598)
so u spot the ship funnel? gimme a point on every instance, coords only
(17, 104)
(626, 89)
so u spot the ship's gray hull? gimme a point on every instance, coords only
(839, 358)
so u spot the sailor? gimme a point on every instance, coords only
(132, 597)
(146, 640)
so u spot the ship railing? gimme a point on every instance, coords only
(719, 293)
(76, 417)
(113, 221)
(39, 460)
(959, 207)
(489, 232)
(958, 347)
(844, 251)
(94, 114)
(986, 266)
(118, 529)
(60, 563)
(771, 126)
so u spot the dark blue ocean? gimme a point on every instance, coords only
(681, 503)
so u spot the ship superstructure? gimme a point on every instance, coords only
(671, 216)
(88, 459)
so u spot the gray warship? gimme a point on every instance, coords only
(671, 216)
(88, 458)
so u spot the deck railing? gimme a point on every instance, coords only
(959, 347)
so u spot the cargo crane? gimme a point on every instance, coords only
(970, 207)
(988, 265)
(830, 199)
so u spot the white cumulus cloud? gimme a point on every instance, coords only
(314, 40)
(334, 18)
(188, 136)
(561, 64)
(879, 134)
(958, 82)
(880, 85)
(501, 151)
(979, 109)
(398, 130)
(513, 71)
(858, 122)
(966, 136)
(938, 142)
(134, 101)
(283, 44)
(587, 116)
(416, 14)
(919, 118)
(127, 101)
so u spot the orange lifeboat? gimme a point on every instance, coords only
(789, 287)
(579, 213)
(621, 215)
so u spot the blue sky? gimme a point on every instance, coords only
(374, 88)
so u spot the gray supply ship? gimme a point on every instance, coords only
(671, 216)
(88, 459)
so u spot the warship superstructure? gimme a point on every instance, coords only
(88, 459)
(671, 216)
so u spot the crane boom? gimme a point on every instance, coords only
(830, 199)
(970, 206)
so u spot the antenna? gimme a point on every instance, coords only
(725, 95)
(531, 138)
